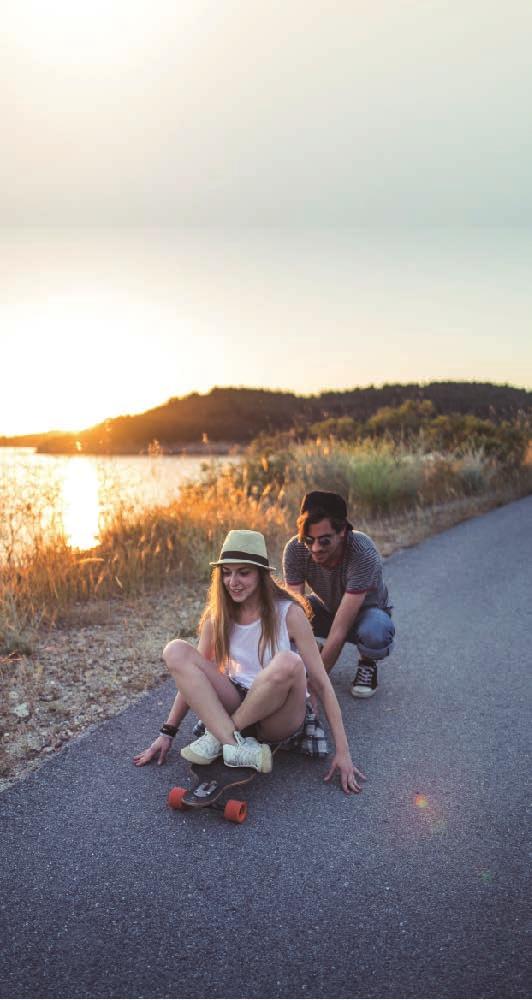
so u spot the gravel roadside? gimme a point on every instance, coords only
(100, 660)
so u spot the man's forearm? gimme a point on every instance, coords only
(331, 650)
(341, 626)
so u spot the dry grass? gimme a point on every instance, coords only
(393, 493)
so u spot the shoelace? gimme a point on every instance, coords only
(364, 675)
(242, 755)
(209, 742)
(243, 750)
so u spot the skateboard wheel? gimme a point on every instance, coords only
(235, 811)
(175, 798)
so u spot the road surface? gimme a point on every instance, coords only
(416, 888)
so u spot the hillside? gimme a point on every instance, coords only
(237, 415)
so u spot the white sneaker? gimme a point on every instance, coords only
(204, 750)
(248, 753)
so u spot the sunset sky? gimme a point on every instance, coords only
(300, 195)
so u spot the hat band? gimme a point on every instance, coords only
(236, 556)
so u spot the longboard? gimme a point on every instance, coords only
(211, 783)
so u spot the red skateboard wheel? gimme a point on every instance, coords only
(175, 798)
(235, 811)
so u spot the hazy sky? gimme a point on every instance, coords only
(293, 194)
(100, 323)
(266, 112)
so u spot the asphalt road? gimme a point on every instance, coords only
(416, 888)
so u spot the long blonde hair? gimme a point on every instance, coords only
(220, 610)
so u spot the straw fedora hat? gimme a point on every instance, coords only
(243, 546)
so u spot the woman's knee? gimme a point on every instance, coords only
(177, 654)
(287, 665)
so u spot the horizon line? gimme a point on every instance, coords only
(270, 389)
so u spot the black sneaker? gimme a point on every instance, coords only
(365, 682)
(199, 728)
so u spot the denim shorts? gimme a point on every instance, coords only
(242, 691)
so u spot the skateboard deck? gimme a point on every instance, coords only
(211, 784)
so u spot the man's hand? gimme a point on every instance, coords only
(160, 747)
(348, 773)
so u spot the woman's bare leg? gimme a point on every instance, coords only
(277, 698)
(208, 692)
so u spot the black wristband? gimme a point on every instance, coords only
(168, 730)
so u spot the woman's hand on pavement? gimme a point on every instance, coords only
(349, 774)
(159, 747)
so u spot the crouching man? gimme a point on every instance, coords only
(343, 569)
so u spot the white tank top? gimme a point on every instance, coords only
(244, 663)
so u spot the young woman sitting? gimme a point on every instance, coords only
(245, 673)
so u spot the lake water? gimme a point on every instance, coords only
(75, 494)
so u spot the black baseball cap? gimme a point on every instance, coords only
(332, 504)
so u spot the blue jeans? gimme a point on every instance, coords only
(372, 631)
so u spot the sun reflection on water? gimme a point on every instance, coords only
(81, 503)
(44, 498)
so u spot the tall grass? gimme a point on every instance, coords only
(138, 551)
(377, 479)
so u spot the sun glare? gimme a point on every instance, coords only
(113, 35)
(80, 503)
(60, 29)
(84, 342)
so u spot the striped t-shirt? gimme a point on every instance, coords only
(359, 572)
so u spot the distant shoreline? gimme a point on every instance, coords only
(193, 450)
(228, 419)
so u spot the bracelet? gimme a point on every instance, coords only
(168, 730)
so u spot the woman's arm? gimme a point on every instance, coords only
(300, 631)
(160, 746)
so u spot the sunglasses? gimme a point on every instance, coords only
(323, 541)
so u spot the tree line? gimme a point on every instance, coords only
(239, 415)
